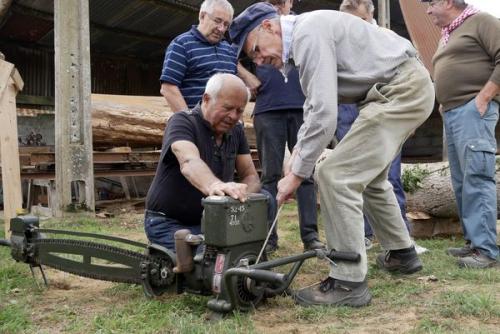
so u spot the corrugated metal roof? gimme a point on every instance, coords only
(25, 27)
(128, 39)
(424, 34)
(140, 28)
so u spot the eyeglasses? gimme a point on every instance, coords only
(255, 47)
(219, 22)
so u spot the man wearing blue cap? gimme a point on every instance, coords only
(344, 59)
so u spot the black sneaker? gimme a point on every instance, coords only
(271, 248)
(405, 261)
(313, 244)
(334, 292)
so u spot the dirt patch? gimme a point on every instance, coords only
(70, 296)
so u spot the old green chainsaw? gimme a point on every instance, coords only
(228, 268)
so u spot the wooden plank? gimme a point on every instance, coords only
(123, 181)
(11, 172)
(36, 149)
(6, 69)
(41, 158)
(18, 81)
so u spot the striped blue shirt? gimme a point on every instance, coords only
(190, 60)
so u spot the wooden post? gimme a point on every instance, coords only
(384, 13)
(73, 128)
(10, 84)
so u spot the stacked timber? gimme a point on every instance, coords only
(138, 121)
(430, 200)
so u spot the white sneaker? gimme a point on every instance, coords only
(419, 249)
(368, 243)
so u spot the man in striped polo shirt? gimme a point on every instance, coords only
(194, 56)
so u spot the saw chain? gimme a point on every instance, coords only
(91, 259)
(153, 267)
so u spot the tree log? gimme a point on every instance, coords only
(430, 190)
(137, 121)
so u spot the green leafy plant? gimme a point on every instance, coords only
(412, 178)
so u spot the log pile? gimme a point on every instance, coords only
(431, 202)
(137, 121)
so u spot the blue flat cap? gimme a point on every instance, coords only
(248, 20)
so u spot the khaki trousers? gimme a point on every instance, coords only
(354, 176)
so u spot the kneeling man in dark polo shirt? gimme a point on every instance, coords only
(201, 149)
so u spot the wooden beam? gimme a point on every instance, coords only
(10, 82)
(73, 128)
(123, 181)
(384, 13)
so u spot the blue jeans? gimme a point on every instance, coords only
(346, 116)
(160, 228)
(275, 130)
(471, 154)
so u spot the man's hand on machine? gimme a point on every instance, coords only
(235, 190)
(287, 186)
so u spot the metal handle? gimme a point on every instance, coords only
(4, 242)
(344, 256)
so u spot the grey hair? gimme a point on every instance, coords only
(208, 6)
(459, 3)
(353, 5)
(276, 2)
(216, 83)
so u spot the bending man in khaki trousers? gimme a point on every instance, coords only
(342, 58)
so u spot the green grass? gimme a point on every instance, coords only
(16, 287)
(13, 318)
(460, 301)
(482, 305)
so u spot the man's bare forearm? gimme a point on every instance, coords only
(251, 81)
(253, 183)
(173, 96)
(196, 171)
(489, 91)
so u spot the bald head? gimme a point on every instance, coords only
(224, 101)
(223, 81)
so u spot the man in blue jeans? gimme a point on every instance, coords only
(467, 80)
(201, 150)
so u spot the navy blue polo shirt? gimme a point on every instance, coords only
(170, 192)
(190, 60)
(275, 93)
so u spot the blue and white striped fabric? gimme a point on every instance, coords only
(190, 60)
